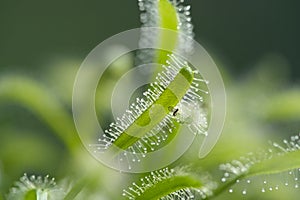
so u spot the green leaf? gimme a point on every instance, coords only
(158, 110)
(31, 195)
(287, 159)
(168, 20)
(284, 106)
(168, 186)
(76, 189)
(36, 188)
(167, 183)
(277, 164)
(166, 14)
(36, 98)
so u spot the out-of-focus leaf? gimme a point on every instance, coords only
(36, 98)
(284, 106)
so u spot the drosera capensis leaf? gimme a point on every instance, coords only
(35, 188)
(171, 15)
(169, 184)
(165, 14)
(279, 158)
(77, 188)
(149, 121)
(169, 96)
(168, 20)
(174, 16)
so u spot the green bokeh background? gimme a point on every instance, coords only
(240, 32)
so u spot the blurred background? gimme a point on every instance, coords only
(42, 44)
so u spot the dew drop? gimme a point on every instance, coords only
(187, 12)
(230, 190)
(286, 184)
(244, 192)
(187, 7)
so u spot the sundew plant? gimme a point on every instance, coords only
(256, 157)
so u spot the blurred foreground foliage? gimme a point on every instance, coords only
(37, 135)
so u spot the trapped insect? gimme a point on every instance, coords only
(174, 111)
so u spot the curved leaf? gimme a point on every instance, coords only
(31, 95)
(169, 186)
(279, 158)
(157, 111)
